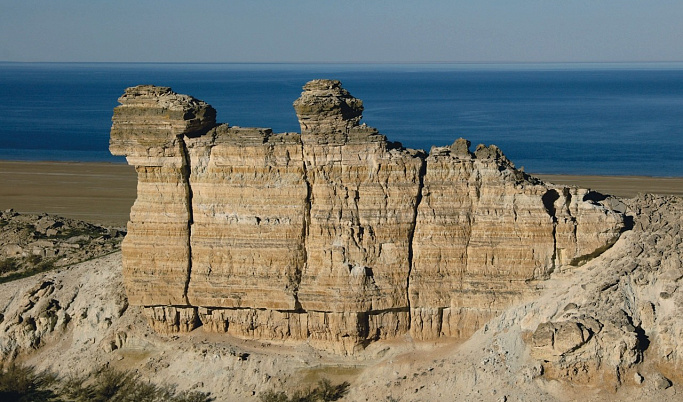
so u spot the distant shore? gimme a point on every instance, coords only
(104, 192)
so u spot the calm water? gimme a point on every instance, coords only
(575, 119)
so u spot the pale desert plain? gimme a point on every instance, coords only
(104, 192)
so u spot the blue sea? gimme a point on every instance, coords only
(604, 119)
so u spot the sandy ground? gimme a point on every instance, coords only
(621, 186)
(93, 192)
(104, 192)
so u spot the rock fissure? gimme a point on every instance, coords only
(334, 235)
(549, 199)
(411, 233)
(553, 265)
(304, 234)
(186, 172)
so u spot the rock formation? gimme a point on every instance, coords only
(334, 235)
(34, 243)
(632, 305)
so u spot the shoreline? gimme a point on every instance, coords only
(103, 192)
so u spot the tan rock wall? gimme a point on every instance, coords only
(149, 128)
(485, 234)
(334, 235)
(249, 203)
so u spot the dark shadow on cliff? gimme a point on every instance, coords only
(549, 199)
(594, 196)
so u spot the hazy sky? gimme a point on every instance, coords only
(342, 30)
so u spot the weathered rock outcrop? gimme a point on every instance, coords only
(598, 329)
(486, 233)
(150, 128)
(34, 243)
(334, 235)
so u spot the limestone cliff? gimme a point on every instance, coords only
(334, 235)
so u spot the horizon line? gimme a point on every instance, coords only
(346, 62)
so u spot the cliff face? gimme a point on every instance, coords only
(334, 235)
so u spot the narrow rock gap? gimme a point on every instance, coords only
(304, 233)
(411, 234)
(439, 327)
(549, 199)
(185, 171)
(554, 257)
(470, 224)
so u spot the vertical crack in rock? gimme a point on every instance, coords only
(567, 204)
(186, 170)
(304, 231)
(468, 230)
(411, 233)
(466, 256)
(549, 199)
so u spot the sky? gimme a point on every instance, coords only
(307, 31)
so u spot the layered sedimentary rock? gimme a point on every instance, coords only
(150, 127)
(486, 232)
(362, 213)
(334, 235)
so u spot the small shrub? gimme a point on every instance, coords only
(91, 231)
(272, 396)
(114, 385)
(22, 268)
(193, 396)
(328, 392)
(325, 391)
(22, 383)
(19, 383)
(34, 259)
(8, 265)
(46, 265)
